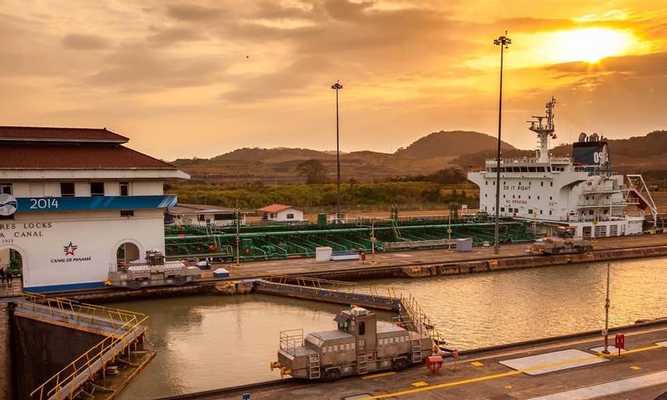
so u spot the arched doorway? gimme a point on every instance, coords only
(11, 264)
(127, 252)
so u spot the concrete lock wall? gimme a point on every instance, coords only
(41, 350)
(70, 250)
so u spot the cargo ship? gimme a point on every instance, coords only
(580, 192)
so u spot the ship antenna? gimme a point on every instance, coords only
(544, 127)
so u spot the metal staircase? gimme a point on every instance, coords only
(362, 363)
(314, 366)
(638, 189)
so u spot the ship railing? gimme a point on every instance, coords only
(290, 340)
(67, 382)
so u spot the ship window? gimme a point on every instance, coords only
(362, 328)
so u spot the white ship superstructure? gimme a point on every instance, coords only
(580, 191)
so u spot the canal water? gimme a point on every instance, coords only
(208, 342)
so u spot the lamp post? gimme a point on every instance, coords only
(504, 42)
(337, 87)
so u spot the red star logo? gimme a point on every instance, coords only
(70, 248)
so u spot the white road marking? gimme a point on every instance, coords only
(553, 361)
(610, 388)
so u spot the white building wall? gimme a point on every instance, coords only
(282, 216)
(146, 188)
(41, 239)
(82, 189)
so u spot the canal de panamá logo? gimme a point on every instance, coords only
(70, 249)
(7, 205)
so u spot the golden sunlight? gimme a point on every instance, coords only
(588, 44)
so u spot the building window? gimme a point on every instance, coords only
(530, 211)
(502, 209)
(362, 328)
(201, 217)
(5, 188)
(289, 216)
(67, 189)
(551, 183)
(97, 188)
(541, 183)
(124, 188)
(127, 213)
(550, 212)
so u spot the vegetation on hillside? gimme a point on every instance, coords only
(410, 195)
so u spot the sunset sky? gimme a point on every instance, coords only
(200, 78)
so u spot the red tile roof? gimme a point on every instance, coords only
(46, 134)
(274, 208)
(75, 156)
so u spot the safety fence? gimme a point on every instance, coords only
(121, 329)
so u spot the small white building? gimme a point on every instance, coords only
(74, 203)
(281, 213)
(203, 215)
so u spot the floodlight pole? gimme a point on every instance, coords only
(503, 42)
(337, 87)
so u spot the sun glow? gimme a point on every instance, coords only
(589, 44)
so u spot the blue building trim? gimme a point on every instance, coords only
(46, 204)
(64, 287)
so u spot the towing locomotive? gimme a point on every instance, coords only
(360, 345)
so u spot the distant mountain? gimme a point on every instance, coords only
(278, 154)
(451, 143)
(426, 155)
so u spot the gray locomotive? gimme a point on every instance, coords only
(360, 345)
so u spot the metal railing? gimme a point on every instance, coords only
(67, 382)
(290, 340)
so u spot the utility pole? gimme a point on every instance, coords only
(607, 303)
(504, 42)
(238, 234)
(337, 87)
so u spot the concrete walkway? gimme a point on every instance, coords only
(637, 374)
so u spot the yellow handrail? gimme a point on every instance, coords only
(128, 320)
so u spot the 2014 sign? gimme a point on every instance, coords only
(43, 203)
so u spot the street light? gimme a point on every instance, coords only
(337, 87)
(504, 42)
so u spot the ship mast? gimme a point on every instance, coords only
(544, 127)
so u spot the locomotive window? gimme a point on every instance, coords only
(362, 328)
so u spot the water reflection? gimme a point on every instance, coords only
(208, 342)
